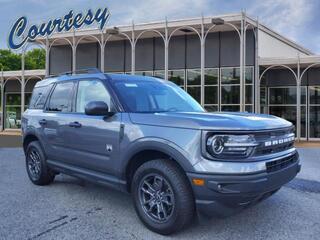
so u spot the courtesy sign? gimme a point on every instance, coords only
(21, 33)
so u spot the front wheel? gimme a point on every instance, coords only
(162, 196)
(37, 168)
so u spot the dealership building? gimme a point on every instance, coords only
(227, 63)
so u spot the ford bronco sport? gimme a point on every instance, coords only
(148, 137)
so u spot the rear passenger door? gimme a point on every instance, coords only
(92, 141)
(56, 120)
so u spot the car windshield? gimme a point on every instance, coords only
(147, 96)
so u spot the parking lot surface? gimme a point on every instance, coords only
(72, 209)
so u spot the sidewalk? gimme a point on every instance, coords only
(10, 139)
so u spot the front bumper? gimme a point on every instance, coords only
(223, 195)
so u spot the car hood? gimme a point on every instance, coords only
(211, 121)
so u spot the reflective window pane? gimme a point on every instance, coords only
(1, 114)
(230, 94)
(13, 117)
(264, 109)
(303, 95)
(194, 77)
(303, 123)
(314, 122)
(283, 95)
(314, 95)
(249, 75)
(195, 92)
(159, 74)
(211, 95)
(211, 76)
(230, 76)
(263, 96)
(287, 112)
(13, 111)
(144, 73)
(13, 99)
(27, 99)
(249, 94)
(212, 108)
(230, 108)
(177, 76)
(249, 108)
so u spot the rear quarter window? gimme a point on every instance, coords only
(39, 97)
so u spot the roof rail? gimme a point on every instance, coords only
(82, 71)
(79, 71)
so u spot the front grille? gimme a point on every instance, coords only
(277, 165)
(278, 137)
(274, 149)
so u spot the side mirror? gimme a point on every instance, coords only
(97, 108)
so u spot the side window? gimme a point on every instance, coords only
(61, 98)
(91, 90)
(39, 97)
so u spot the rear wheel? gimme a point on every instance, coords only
(162, 196)
(37, 168)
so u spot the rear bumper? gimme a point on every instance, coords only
(223, 195)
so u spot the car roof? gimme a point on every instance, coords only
(107, 76)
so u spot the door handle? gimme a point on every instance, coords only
(42, 122)
(75, 124)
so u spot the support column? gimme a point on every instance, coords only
(74, 53)
(2, 102)
(47, 73)
(241, 65)
(22, 82)
(244, 62)
(102, 46)
(257, 72)
(202, 64)
(166, 51)
(298, 127)
(133, 51)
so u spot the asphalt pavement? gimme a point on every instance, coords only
(72, 209)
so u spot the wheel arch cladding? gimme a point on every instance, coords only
(151, 152)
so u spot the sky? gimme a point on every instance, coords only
(298, 20)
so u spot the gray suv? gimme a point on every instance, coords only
(148, 137)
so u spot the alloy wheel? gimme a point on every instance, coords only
(156, 197)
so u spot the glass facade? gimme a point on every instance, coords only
(144, 73)
(282, 102)
(12, 110)
(230, 89)
(314, 111)
(177, 77)
(194, 83)
(1, 110)
(211, 92)
(1, 113)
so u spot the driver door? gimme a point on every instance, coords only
(93, 141)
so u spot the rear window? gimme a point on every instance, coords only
(39, 97)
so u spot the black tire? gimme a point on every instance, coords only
(36, 165)
(182, 210)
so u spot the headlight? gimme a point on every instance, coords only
(226, 146)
